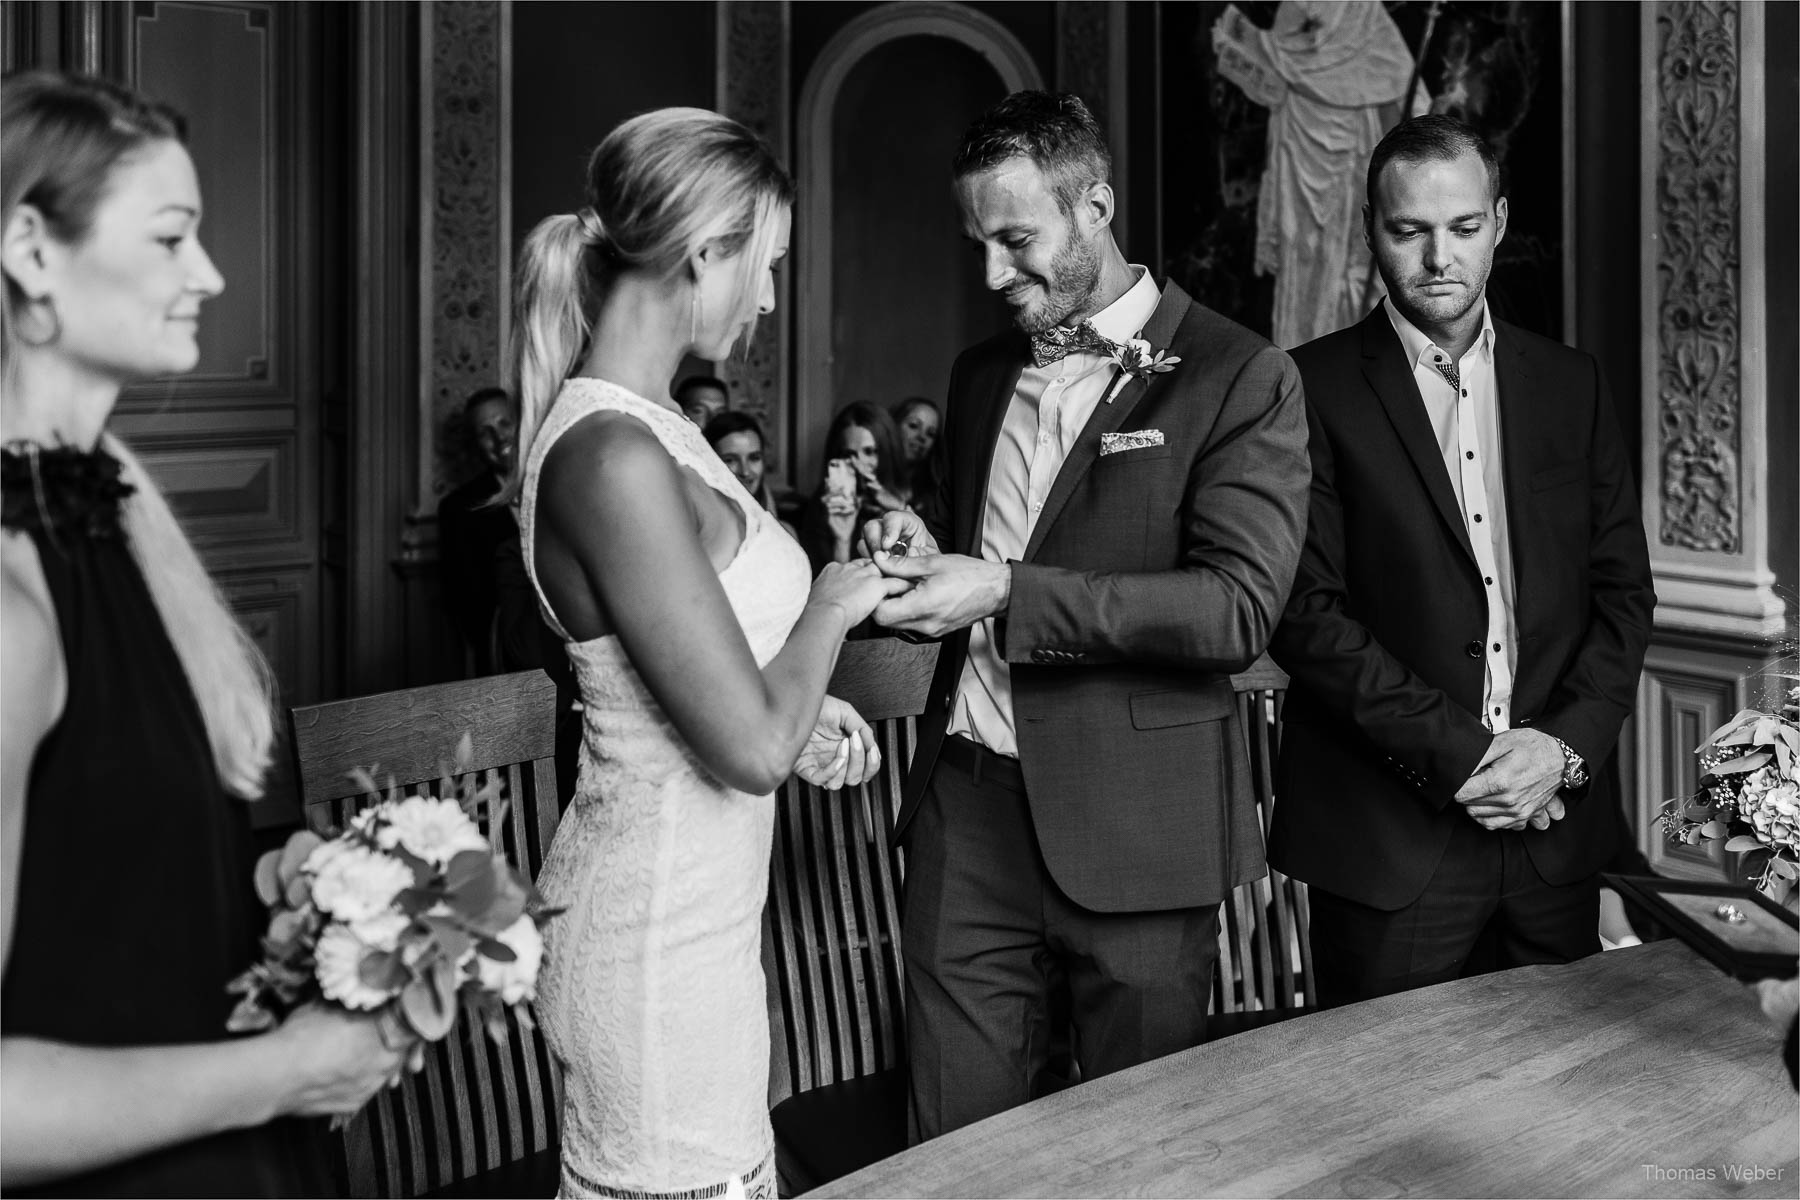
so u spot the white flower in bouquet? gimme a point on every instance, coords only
(1775, 813)
(381, 931)
(434, 830)
(339, 957)
(323, 854)
(359, 883)
(516, 980)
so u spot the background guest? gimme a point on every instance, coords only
(918, 420)
(1468, 624)
(471, 528)
(702, 398)
(136, 718)
(865, 477)
(737, 438)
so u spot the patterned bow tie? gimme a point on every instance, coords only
(1060, 341)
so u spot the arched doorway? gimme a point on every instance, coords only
(887, 293)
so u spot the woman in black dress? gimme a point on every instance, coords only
(137, 717)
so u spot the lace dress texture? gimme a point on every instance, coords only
(652, 994)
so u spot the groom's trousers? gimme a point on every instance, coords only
(985, 928)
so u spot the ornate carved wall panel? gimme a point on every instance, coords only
(465, 226)
(1705, 455)
(1697, 276)
(753, 88)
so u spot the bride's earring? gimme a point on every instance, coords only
(694, 313)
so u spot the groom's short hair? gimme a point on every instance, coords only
(1054, 130)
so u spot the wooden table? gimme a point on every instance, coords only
(1582, 1080)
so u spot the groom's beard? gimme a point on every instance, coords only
(1069, 286)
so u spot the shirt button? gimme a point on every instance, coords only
(1058, 379)
(1468, 454)
(1489, 580)
(1474, 649)
(1496, 647)
(1478, 518)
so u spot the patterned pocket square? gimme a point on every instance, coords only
(1114, 443)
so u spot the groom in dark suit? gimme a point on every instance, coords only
(1470, 614)
(1121, 524)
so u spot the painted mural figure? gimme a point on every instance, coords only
(1332, 76)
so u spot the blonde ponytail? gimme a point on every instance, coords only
(552, 318)
(230, 679)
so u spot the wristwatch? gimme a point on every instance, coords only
(1575, 772)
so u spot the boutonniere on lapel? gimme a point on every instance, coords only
(1136, 360)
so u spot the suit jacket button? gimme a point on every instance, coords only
(1474, 648)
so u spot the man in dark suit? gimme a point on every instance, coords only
(1470, 614)
(1121, 533)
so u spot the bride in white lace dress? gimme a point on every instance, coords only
(701, 655)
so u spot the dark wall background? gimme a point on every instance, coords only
(579, 70)
(906, 289)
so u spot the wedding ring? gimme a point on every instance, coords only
(898, 549)
(1731, 914)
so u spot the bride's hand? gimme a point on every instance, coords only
(841, 750)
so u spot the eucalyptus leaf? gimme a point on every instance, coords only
(1744, 764)
(299, 892)
(300, 846)
(1714, 829)
(424, 1014)
(1743, 843)
(249, 1017)
(1742, 714)
(1784, 867)
(495, 950)
(383, 970)
(268, 878)
(445, 981)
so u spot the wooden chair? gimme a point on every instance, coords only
(834, 925)
(482, 1118)
(1265, 969)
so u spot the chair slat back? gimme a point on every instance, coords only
(478, 1104)
(1265, 957)
(834, 883)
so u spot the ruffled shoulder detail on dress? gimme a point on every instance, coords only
(62, 491)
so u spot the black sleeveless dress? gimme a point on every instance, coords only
(135, 899)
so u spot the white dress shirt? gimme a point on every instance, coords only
(1468, 437)
(1048, 410)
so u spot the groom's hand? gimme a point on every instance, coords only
(900, 526)
(949, 591)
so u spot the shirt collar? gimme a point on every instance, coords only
(1420, 348)
(1126, 317)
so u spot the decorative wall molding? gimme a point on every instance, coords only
(1704, 397)
(465, 143)
(812, 222)
(752, 87)
(1685, 694)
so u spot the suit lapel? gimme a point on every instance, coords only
(1384, 366)
(1160, 331)
(1514, 401)
(990, 395)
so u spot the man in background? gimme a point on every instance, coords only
(1469, 619)
(469, 532)
(702, 398)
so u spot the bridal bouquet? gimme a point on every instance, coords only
(407, 911)
(1749, 795)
